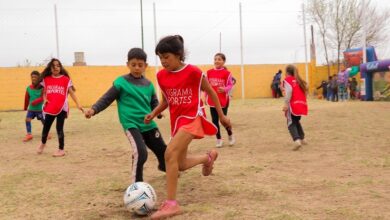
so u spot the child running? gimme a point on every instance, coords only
(220, 80)
(181, 85)
(136, 98)
(295, 104)
(33, 103)
(57, 85)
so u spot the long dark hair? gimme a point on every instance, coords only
(293, 71)
(47, 71)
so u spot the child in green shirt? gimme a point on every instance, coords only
(136, 97)
(33, 101)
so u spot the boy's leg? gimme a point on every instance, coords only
(28, 125)
(140, 154)
(156, 144)
(40, 117)
(28, 129)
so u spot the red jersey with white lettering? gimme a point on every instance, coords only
(298, 104)
(219, 78)
(56, 91)
(182, 91)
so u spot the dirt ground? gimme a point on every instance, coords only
(344, 172)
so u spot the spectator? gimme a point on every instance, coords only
(275, 86)
(353, 88)
(324, 86)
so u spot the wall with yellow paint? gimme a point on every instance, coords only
(93, 81)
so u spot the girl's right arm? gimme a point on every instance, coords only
(160, 108)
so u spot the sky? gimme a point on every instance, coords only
(272, 30)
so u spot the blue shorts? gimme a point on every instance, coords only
(33, 114)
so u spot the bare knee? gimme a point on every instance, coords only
(170, 155)
(181, 167)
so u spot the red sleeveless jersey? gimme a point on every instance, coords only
(298, 104)
(56, 90)
(182, 91)
(218, 78)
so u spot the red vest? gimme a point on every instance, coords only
(56, 90)
(298, 104)
(218, 78)
(182, 92)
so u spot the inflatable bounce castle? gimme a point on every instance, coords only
(374, 75)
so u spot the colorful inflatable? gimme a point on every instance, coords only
(354, 57)
(375, 80)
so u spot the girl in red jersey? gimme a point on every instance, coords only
(57, 85)
(220, 80)
(181, 85)
(295, 104)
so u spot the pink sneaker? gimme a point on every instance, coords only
(59, 153)
(40, 148)
(166, 210)
(208, 167)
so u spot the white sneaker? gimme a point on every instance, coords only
(219, 143)
(297, 144)
(232, 140)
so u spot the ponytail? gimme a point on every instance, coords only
(293, 71)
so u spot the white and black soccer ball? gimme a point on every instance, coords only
(140, 198)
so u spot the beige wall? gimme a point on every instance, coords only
(93, 81)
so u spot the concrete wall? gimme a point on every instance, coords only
(93, 81)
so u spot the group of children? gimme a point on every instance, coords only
(181, 85)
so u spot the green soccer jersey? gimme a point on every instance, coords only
(34, 94)
(134, 102)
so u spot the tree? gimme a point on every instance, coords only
(340, 24)
(317, 10)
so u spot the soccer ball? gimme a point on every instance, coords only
(140, 198)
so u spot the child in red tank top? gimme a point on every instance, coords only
(220, 80)
(181, 85)
(295, 105)
(57, 85)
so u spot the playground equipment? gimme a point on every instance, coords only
(375, 80)
(374, 75)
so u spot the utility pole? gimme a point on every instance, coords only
(142, 26)
(220, 42)
(304, 37)
(242, 58)
(155, 44)
(56, 29)
(364, 31)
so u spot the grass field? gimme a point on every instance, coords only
(344, 172)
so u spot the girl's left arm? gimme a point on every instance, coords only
(229, 84)
(205, 86)
(73, 95)
(287, 96)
